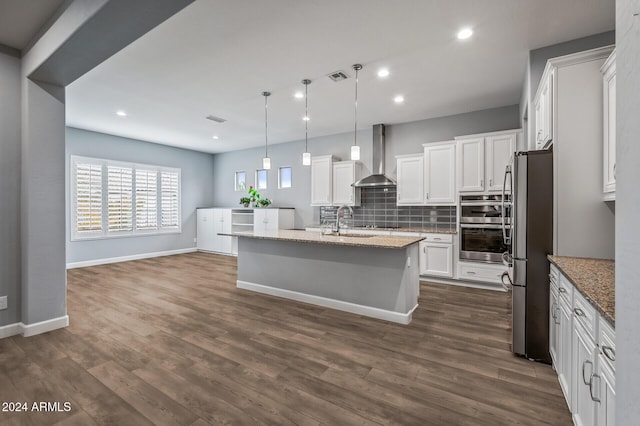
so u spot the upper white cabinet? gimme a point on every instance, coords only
(471, 165)
(609, 126)
(272, 219)
(321, 180)
(482, 160)
(440, 165)
(410, 176)
(345, 173)
(543, 107)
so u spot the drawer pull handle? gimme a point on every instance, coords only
(562, 290)
(437, 239)
(579, 312)
(584, 364)
(554, 311)
(471, 273)
(609, 352)
(594, 399)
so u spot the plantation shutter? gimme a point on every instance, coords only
(146, 199)
(120, 199)
(170, 202)
(88, 197)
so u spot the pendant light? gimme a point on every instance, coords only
(306, 155)
(355, 149)
(266, 161)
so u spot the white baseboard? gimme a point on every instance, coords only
(10, 330)
(95, 262)
(28, 330)
(451, 281)
(340, 305)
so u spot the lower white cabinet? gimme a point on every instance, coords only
(584, 344)
(272, 219)
(436, 259)
(210, 223)
(487, 273)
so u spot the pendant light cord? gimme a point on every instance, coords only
(266, 128)
(355, 114)
(306, 115)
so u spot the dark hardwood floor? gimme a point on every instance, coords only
(171, 340)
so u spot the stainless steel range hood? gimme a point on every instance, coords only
(377, 178)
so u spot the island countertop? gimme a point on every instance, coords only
(594, 278)
(424, 230)
(376, 241)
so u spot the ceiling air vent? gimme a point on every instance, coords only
(338, 76)
(216, 119)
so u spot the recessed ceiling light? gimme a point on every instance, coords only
(398, 99)
(306, 118)
(215, 137)
(299, 95)
(121, 113)
(465, 33)
(383, 72)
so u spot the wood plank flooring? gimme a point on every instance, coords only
(172, 341)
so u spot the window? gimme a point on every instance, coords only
(170, 199)
(241, 181)
(284, 177)
(110, 198)
(261, 179)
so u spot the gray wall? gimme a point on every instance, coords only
(627, 208)
(405, 138)
(197, 191)
(538, 60)
(10, 187)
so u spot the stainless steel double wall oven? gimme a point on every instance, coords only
(482, 218)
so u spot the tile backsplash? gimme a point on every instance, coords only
(378, 208)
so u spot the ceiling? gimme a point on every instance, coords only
(20, 20)
(217, 56)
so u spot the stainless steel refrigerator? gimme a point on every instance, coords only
(529, 182)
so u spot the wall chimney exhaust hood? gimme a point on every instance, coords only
(377, 179)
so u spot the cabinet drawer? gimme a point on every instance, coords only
(607, 342)
(480, 272)
(565, 289)
(585, 314)
(553, 275)
(404, 234)
(439, 238)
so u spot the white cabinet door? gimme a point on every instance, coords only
(410, 174)
(564, 349)
(321, 180)
(544, 111)
(499, 150)
(222, 224)
(583, 364)
(471, 165)
(609, 148)
(436, 259)
(440, 164)
(606, 383)
(261, 219)
(554, 326)
(344, 175)
(205, 231)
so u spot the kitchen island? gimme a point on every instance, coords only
(375, 276)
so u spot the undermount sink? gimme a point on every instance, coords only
(333, 234)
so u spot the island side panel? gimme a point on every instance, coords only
(373, 277)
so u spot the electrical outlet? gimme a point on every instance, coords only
(195, 240)
(3, 302)
(409, 262)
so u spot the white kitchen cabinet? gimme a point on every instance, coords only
(321, 180)
(439, 169)
(609, 126)
(605, 380)
(487, 273)
(583, 368)
(265, 220)
(345, 173)
(211, 223)
(499, 150)
(543, 107)
(471, 165)
(436, 259)
(565, 331)
(410, 179)
(554, 317)
(482, 160)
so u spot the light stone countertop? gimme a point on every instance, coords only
(375, 241)
(594, 278)
(417, 230)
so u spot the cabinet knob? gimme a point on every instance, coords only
(490, 182)
(481, 182)
(562, 290)
(579, 312)
(427, 195)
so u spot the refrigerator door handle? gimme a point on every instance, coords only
(503, 211)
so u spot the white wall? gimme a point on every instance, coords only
(404, 138)
(197, 191)
(627, 213)
(10, 187)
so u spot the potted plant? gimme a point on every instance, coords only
(264, 202)
(245, 201)
(254, 196)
